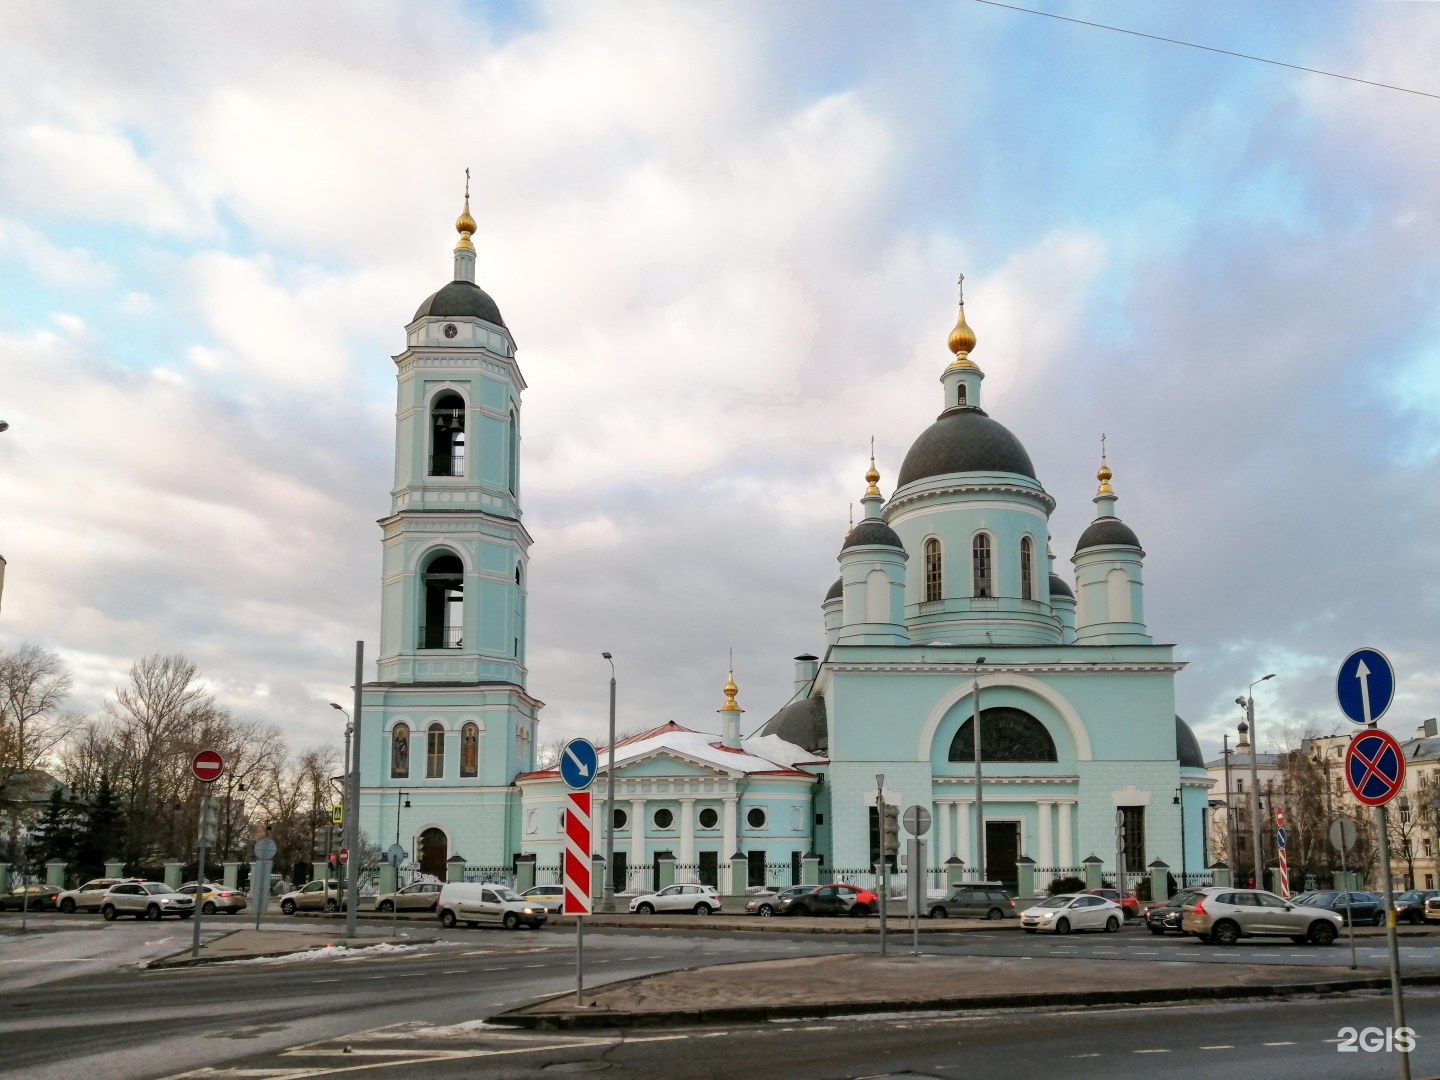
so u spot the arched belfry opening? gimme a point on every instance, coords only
(443, 620)
(447, 436)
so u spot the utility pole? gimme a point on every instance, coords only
(1248, 702)
(979, 794)
(351, 824)
(1229, 814)
(607, 897)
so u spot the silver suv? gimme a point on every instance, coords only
(145, 900)
(90, 896)
(1224, 916)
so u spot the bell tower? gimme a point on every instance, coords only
(450, 690)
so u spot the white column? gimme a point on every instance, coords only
(1067, 853)
(687, 840)
(637, 840)
(962, 820)
(943, 850)
(729, 842)
(1042, 807)
(597, 829)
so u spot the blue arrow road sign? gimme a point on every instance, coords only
(578, 762)
(1365, 685)
(1282, 838)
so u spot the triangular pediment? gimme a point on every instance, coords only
(665, 761)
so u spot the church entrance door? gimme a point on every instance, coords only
(1002, 848)
(433, 853)
(710, 869)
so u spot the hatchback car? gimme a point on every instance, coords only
(550, 897)
(1224, 916)
(1167, 916)
(145, 900)
(975, 902)
(1072, 911)
(1365, 909)
(422, 896)
(701, 899)
(837, 899)
(768, 903)
(317, 896)
(90, 896)
(217, 898)
(30, 898)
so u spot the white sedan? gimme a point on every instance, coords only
(701, 899)
(1062, 914)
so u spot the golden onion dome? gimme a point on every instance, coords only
(730, 691)
(465, 224)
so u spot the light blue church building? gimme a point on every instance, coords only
(947, 590)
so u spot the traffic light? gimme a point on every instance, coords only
(890, 831)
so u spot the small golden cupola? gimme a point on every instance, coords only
(465, 224)
(962, 378)
(730, 713)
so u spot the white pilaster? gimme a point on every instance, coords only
(1067, 853)
(944, 808)
(729, 842)
(637, 839)
(597, 829)
(962, 819)
(1042, 807)
(687, 840)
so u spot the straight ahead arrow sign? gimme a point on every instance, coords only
(1363, 674)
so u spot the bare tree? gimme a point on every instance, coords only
(34, 684)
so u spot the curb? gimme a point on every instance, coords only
(188, 961)
(821, 1010)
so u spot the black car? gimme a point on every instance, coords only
(1410, 905)
(1365, 909)
(1167, 916)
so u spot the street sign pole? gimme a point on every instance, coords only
(917, 824)
(1342, 836)
(882, 872)
(352, 785)
(200, 873)
(578, 763)
(1392, 944)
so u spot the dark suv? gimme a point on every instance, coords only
(1167, 916)
(975, 902)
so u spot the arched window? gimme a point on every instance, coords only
(960, 394)
(442, 625)
(877, 596)
(1027, 569)
(433, 851)
(447, 436)
(984, 567)
(1117, 596)
(1006, 734)
(932, 569)
(470, 750)
(435, 752)
(514, 462)
(400, 751)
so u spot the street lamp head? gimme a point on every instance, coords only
(1270, 676)
(1240, 701)
(336, 707)
(979, 660)
(4, 426)
(607, 656)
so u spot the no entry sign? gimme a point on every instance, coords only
(1374, 767)
(207, 766)
(344, 856)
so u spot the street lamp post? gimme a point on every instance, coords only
(1180, 802)
(607, 898)
(980, 862)
(1229, 815)
(401, 797)
(1248, 703)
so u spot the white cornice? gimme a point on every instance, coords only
(992, 488)
(963, 668)
(969, 781)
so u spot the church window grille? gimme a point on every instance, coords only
(470, 750)
(1132, 831)
(755, 818)
(1006, 734)
(400, 752)
(933, 580)
(960, 395)
(983, 566)
(1027, 569)
(435, 752)
(709, 818)
(443, 620)
(447, 436)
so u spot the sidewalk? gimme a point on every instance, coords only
(258, 944)
(817, 986)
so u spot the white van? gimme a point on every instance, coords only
(474, 903)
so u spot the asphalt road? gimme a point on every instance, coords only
(74, 1002)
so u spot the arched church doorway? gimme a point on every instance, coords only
(433, 853)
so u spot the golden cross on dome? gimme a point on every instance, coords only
(961, 283)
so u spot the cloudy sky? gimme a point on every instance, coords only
(726, 238)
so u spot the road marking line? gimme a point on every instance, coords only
(1084, 1055)
(1226, 1047)
(1151, 1051)
(1278, 1044)
(658, 1038)
(461, 971)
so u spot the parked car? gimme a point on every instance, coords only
(984, 901)
(1167, 916)
(90, 896)
(837, 899)
(1366, 909)
(1223, 916)
(31, 898)
(701, 899)
(550, 897)
(217, 897)
(1072, 911)
(768, 903)
(317, 896)
(422, 896)
(1129, 903)
(145, 900)
(474, 903)
(1410, 905)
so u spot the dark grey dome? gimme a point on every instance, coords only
(461, 300)
(1057, 588)
(872, 531)
(836, 592)
(1107, 532)
(1187, 747)
(965, 440)
(802, 723)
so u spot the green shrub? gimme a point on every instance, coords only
(1066, 885)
